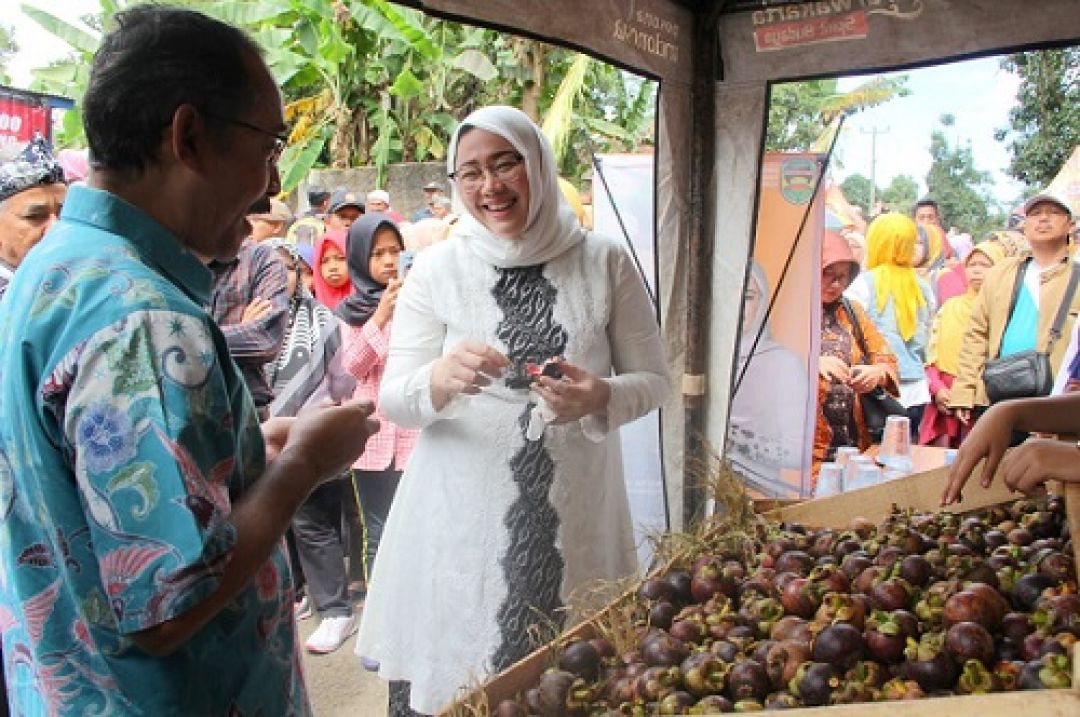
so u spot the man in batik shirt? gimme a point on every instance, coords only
(143, 508)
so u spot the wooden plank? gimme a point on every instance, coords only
(920, 490)
(1072, 509)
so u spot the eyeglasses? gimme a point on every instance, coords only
(280, 140)
(505, 168)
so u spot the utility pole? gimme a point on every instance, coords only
(873, 132)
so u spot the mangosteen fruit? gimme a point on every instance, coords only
(654, 589)
(661, 614)
(814, 683)
(747, 680)
(675, 703)
(680, 580)
(703, 673)
(976, 679)
(1027, 590)
(795, 561)
(929, 663)
(800, 597)
(970, 641)
(661, 649)
(783, 659)
(840, 645)
(581, 658)
(710, 705)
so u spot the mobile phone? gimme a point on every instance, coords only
(405, 261)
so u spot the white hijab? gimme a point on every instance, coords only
(552, 227)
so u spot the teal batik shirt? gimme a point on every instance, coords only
(126, 434)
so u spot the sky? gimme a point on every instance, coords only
(977, 92)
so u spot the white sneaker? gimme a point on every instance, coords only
(330, 634)
(302, 608)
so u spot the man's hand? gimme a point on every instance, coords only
(833, 369)
(328, 440)
(257, 309)
(989, 439)
(275, 433)
(576, 395)
(466, 369)
(1038, 460)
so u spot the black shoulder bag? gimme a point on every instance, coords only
(877, 405)
(1028, 373)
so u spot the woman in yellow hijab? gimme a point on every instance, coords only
(899, 302)
(939, 426)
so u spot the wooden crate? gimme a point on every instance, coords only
(922, 491)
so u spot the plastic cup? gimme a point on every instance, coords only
(853, 465)
(844, 454)
(830, 480)
(895, 450)
(864, 477)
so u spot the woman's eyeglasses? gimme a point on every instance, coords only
(505, 169)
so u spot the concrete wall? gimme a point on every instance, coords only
(405, 183)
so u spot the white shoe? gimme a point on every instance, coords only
(330, 634)
(302, 608)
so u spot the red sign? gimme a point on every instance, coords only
(21, 117)
(830, 28)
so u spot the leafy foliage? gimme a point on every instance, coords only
(856, 189)
(961, 190)
(1045, 124)
(8, 47)
(800, 112)
(370, 82)
(901, 194)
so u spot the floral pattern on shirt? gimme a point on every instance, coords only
(127, 437)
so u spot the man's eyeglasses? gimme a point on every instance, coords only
(280, 140)
(505, 168)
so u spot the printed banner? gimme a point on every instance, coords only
(630, 179)
(21, 116)
(773, 409)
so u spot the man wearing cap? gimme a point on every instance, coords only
(1044, 276)
(32, 192)
(144, 505)
(378, 200)
(345, 208)
(272, 222)
(432, 191)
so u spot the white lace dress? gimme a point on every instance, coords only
(489, 532)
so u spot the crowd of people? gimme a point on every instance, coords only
(910, 312)
(219, 418)
(189, 374)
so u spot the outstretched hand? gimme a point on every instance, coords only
(989, 439)
(576, 395)
(329, 439)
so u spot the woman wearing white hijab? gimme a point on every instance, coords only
(504, 509)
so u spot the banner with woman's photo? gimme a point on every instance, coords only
(772, 411)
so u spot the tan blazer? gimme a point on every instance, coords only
(989, 317)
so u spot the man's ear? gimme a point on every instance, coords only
(186, 136)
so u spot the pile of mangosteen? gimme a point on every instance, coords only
(922, 605)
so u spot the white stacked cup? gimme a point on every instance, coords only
(852, 466)
(844, 454)
(865, 475)
(895, 451)
(830, 480)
